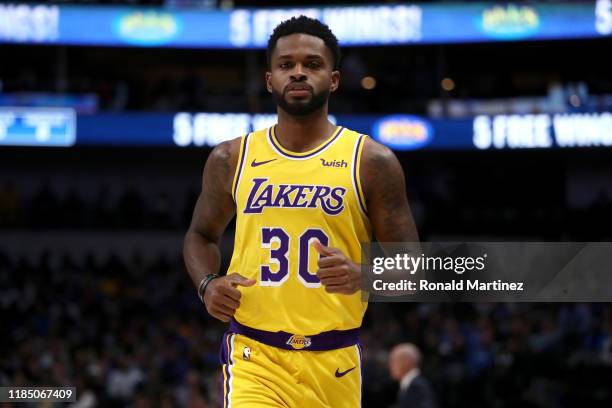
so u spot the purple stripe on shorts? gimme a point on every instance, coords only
(223, 350)
(227, 372)
(222, 360)
(329, 340)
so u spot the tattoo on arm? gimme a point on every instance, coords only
(388, 208)
(385, 190)
(215, 206)
(213, 211)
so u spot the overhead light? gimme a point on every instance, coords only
(368, 82)
(447, 84)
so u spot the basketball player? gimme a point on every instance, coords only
(306, 194)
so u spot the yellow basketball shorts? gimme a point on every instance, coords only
(257, 375)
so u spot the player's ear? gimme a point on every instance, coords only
(269, 81)
(335, 81)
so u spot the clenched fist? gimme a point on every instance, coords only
(336, 271)
(221, 296)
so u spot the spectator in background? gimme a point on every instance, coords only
(123, 380)
(414, 389)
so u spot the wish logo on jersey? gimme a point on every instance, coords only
(262, 195)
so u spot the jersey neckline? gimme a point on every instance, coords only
(302, 155)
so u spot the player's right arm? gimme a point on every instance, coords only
(213, 211)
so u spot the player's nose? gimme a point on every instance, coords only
(298, 72)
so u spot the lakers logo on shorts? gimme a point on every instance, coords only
(299, 342)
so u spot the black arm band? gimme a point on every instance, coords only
(204, 283)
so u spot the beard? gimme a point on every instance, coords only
(301, 107)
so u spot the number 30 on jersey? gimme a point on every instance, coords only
(280, 256)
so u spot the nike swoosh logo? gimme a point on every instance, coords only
(343, 373)
(255, 164)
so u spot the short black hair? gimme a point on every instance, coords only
(305, 25)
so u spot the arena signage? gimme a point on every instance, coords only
(37, 127)
(375, 24)
(543, 131)
(403, 132)
(62, 127)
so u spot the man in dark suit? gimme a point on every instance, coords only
(414, 389)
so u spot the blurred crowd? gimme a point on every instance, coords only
(132, 333)
(124, 333)
(108, 209)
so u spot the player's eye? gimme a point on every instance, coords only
(285, 65)
(313, 65)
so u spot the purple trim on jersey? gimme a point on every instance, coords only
(239, 169)
(329, 340)
(356, 176)
(295, 156)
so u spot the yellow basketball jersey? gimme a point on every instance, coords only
(284, 201)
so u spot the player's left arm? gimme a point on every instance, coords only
(384, 187)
